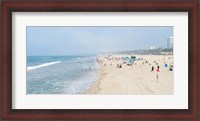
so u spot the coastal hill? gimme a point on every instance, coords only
(157, 51)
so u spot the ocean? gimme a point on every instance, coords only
(60, 74)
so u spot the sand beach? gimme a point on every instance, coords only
(116, 76)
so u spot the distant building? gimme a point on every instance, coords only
(170, 42)
(152, 48)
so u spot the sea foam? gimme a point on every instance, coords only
(41, 65)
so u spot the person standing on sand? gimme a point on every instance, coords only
(157, 76)
(169, 66)
(152, 69)
(158, 67)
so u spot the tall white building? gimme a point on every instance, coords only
(152, 48)
(170, 42)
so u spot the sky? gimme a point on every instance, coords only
(93, 40)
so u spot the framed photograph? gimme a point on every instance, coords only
(100, 60)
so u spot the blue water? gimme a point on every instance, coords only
(60, 74)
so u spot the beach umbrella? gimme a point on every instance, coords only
(127, 59)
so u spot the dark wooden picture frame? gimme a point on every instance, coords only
(9, 6)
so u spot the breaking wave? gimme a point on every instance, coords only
(41, 65)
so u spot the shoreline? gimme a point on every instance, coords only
(95, 86)
(136, 79)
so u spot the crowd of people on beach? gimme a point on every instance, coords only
(135, 74)
(121, 61)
